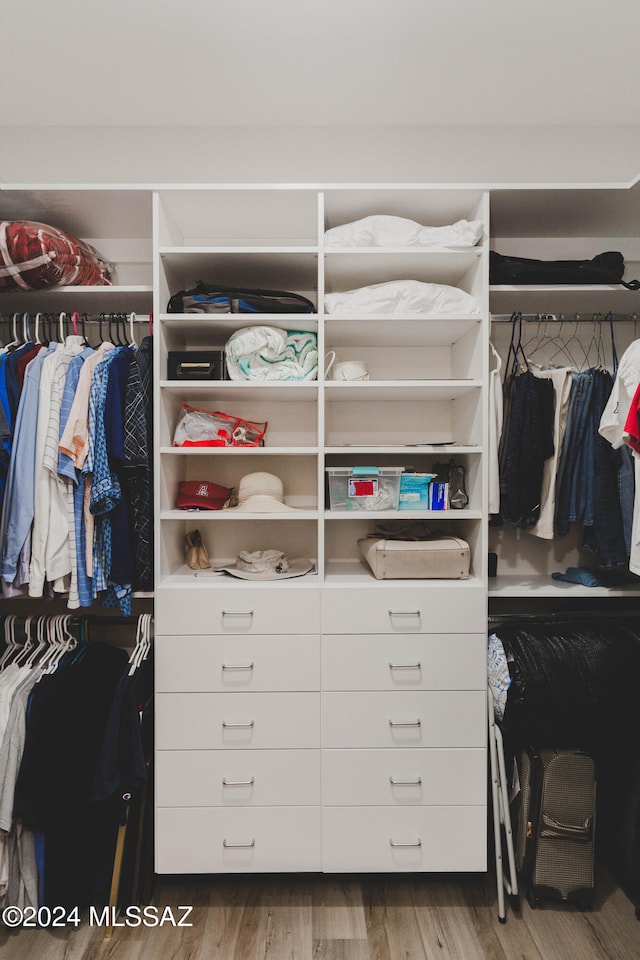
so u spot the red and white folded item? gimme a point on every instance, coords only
(35, 255)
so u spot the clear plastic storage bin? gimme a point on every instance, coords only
(364, 488)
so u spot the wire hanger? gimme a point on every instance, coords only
(516, 353)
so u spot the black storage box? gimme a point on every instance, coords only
(196, 365)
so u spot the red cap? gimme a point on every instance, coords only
(202, 495)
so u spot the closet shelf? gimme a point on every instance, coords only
(201, 329)
(350, 268)
(350, 573)
(239, 451)
(565, 299)
(239, 248)
(220, 516)
(118, 297)
(395, 318)
(257, 267)
(543, 586)
(406, 332)
(435, 252)
(403, 515)
(441, 449)
(193, 389)
(184, 576)
(383, 390)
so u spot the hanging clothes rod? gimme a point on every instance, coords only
(588, 317)
(561, 616)
(129, 315)
(540, 317)
(91, 618)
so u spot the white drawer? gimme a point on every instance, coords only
(266, 663)
(388, 839)
(412, 719)
(237, 778)
(214, 609)
(236, 840)
(211, 721)
(403, 777)
(438, 607)
(415, 662)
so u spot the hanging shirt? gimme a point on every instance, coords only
(136, 471)
(105, 490)
(18, 506)
(50, 515)
(612, 424)
(57, 554)
(75, 438)
(80, 592)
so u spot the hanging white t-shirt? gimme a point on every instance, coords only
(612, 423)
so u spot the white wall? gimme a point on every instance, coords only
(347, 154)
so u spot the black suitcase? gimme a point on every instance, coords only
(556, 825)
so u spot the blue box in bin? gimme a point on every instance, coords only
(414, 491)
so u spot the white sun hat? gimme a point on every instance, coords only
(267, 565)
(259, 493)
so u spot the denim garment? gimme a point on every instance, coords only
(605, 537)
(566, 489)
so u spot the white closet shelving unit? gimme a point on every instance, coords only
(566, 224)
(383, 687)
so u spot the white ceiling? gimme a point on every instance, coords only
(320, 62)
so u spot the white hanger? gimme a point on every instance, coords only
(14, 330)
(9, 640)
(37, 330)
(132, 339)
(143, 642)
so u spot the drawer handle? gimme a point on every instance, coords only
(406, 783)
(237, 666)
(238, 783)
(408, 723)
(404, 613)
(237, 613)
(249, 843)
(226, 723)
(405, 666)
(394, 843)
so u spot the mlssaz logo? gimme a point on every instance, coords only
(203, 490)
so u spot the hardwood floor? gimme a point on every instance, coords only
(347, 918)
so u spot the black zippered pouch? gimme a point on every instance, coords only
(214, 298)
(604, 268)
